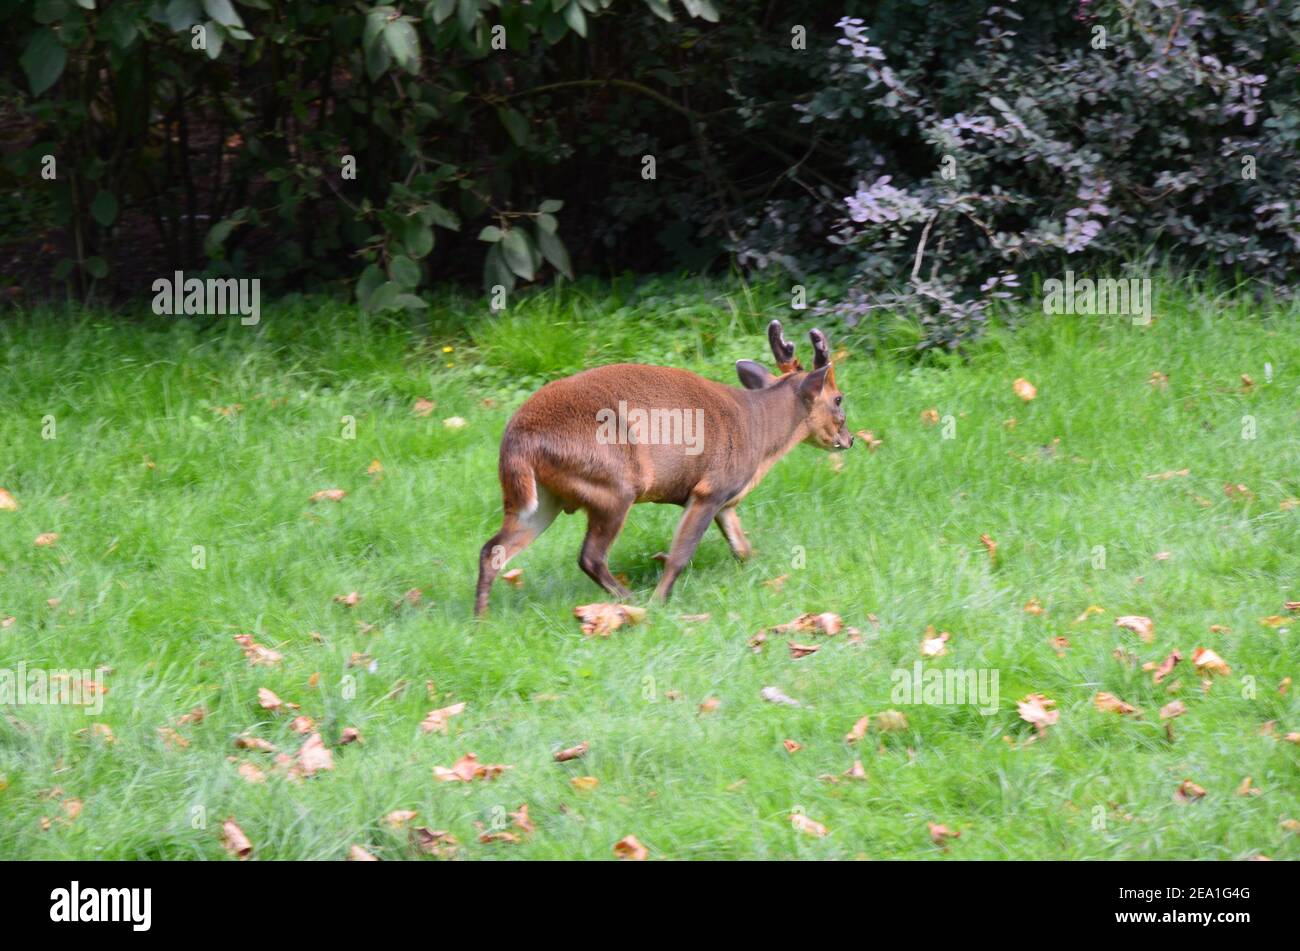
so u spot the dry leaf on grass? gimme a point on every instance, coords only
(257, 655)
(826, 623)
(246, 742)
(584, 783)
(358, 854)
(7, 502)
(521, 820)
(1034, 606)
(423, 407)
(602, 619)
(1143, 627)
(630, 849)
(349, 600)
(940, 834)
(1174, 708)
(987, 541)
(792, 746)
(269, 701)
(466, 769)
(1188, 791)
(1164, 668)
(436, 842)
(801, 650)
(775, 695)
(1034, 709)
(808, 826)
(234, 841)
(1206, 660)
(313, 756)
(710, 704)
(46, 539)
(1109, 703)
(934, 644)
(573, 752)
(328, 495)
(399, 817)
(514, 577)
(437, 720)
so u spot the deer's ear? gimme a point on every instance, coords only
(811, 386)
(753, 376)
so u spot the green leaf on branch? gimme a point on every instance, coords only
(554, 251)
(43, 60)
(518, 252)
(103, 208)
(516, 125)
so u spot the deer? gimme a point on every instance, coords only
(609, 437)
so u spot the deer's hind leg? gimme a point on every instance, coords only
(605, 516)
(518, 531)
(728, 523)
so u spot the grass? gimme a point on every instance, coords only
(167, 437)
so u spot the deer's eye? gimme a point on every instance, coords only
(839, 400)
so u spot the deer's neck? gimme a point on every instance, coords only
(779, 421)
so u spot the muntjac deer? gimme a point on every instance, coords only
(606, 438)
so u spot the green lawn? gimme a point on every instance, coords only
(167, 438)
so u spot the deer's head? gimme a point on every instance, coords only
(819, 398)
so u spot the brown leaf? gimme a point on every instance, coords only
(7, 502)
(514, 577)
(303, 724)
(792, 746)
(934, 644)
(940, 834)
(801, 650)
(172, 739)
(436, 721)
(775, 695)
(234, 841)
(1188, 791)
(808, 826)
(1109, 703)
(246, 742)
(868, 437)
(573, 752)
(1274, 620)
(1024, 389)
(1246, 789)
(856, 771)
(930, 416)
(46, 539)
(1206, 660)
(314, 756)
(630, 849)
(521, 820)
(358, 854)
(328, 495)
(1088, 612)
(827, 623)
(1174, 708)
(269, 701)
(710, 704)
(435, 842)
(349, 600)
(1143, 627)
(1166, 667)
(603, 619)
(466, 769)
(423, 407)
(859, 730)
(399, 817)
(350, 734)
(584, 783)
(251, 773)
(777, 583)
(1034, 607)
(257, 655)
(991, 545)
(1034, 710)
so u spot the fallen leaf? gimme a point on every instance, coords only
(992, 547)
(436, 721)
(774, 695)
(521, 819)
(349, 600)
(573, 752)
(827, 623)
(1034, 607)
(940, 834)
(350, 734)
(1166, 667)
(45, 539)
(253, 743)
(801, 650)
(1034, 710)
(1059, 644)
(399, 817)
(303, 724)
(808, 826)
(358, 854)
(251, 773)
(454, 422)
(234, 841)
(859, 730)
(423, 407)
(1109, 703)
(1143, 627)
(328, 495)
(468, 768)
(257, 655)
(7, 622)
(629, 849)
(891, 721)
(584, 783)
(7, 502)
(436, 842)
(1274, 620)
(514, 577)
(602, 619)
(777, 583)
(375, 468)
(934, 644)
(1088, 612)
(314, 756)
(172, 739)
(1246, 789)
(1172, 473)
(930, 417)
(1024, 389)
(1188, 791)
(269, 701)
(1207, 660)
(710, 704)
(792, 746)
(856, 771)
(868, 437)
(1238, 491)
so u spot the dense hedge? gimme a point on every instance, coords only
(924, 151)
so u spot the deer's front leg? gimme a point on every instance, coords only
(699, 512)
(728, 523)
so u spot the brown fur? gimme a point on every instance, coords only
(551, 458)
